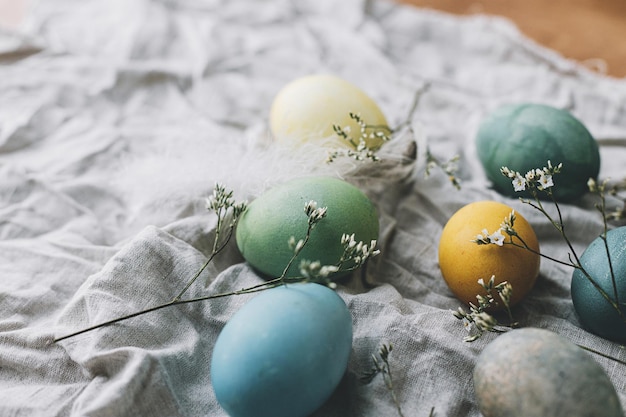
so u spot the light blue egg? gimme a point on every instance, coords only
(283, 353)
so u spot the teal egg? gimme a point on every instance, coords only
(266, 226)
(594, 311)
(283, 353)
(535, 372)
(525, 136)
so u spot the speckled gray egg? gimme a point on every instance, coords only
(536, 373)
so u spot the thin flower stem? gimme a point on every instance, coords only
(579, 266)
(604, 355)
(255, 288)
(561, 228)
(218, 229)
(281, 280)
(524, 245)
(512, 323)
(416, 100)
(389, 383)
(384, 368)
(297, 251)
(606, 246)
(559, 225)
(216, 250)
(276, 282)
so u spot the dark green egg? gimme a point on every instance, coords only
(525, 136)
(594, 311)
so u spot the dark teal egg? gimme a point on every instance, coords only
(283, 353)
(594, 311)
(525, 136)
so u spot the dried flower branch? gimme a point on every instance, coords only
(222, 203)
(360, 151)
(541, 180)
(225, 208)
(449, 168)
(478, 320)
(355, 255)
(380, 365)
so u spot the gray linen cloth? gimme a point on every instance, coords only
(116, 119)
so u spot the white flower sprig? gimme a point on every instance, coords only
(541, 179)
(359, 150)
(497, 237)
(478, 320)
(222, 203)
(380, 365)
(449, 167)
(355, 254)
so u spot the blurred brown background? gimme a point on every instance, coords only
(592, 32)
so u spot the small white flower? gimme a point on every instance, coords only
(468, 325)
(530, 176)
(326, 270)
(310, 207)
(544, 181)
(459, 313)
(507, 225)
(591, 184)
(482, 238)
(497, 237)
(484, 321)
(519, 183)
(507, 172)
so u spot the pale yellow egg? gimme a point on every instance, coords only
(307, 108)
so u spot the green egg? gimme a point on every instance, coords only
(525, 136)
(595, 312)
(266, 226)
(537, 373)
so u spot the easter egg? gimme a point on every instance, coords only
(265, 228)
(524, 137)
(283, 353)
(307, 108)
(595, 312)
(535, 373)
(463, 262)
